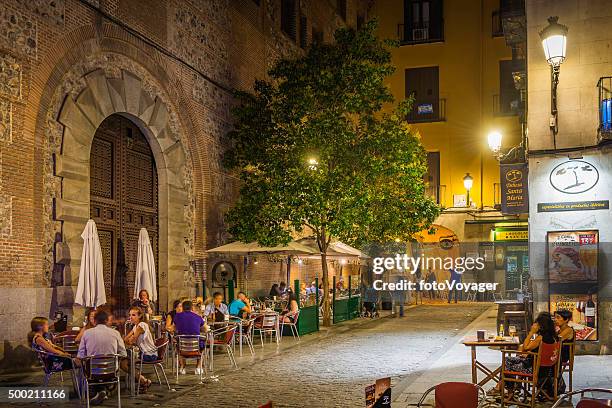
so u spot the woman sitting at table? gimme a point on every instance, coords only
(177, 307)
(144, 302)
(57, 359)
(275, 291)
(566, 335)
(141, 336)
(291, 310)
(90, 322)
(542, 331)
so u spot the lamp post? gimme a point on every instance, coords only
(468, 182)
(554, 42)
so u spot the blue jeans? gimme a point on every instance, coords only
(149, 358)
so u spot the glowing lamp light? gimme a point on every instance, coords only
(554, 41)
(343, 262)
(495, 140)
(468, 181)
(299, 261)
(313, 163)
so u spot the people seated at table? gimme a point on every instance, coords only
(275, 291)
(177, 307)
(282, 287)
(303, 290)
(241, 306)
(57, 359)
(90, 322)
(542, 331)
(188, 322)
(144, 302)
(141, 336)
(340, 284)
(566, 335)
(291, 310)
(217, 310)
(100, 340)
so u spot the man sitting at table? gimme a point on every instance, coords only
(217, 310)
(102, 339)
(241, 306)
(188, 323)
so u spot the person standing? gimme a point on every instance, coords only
(455, 278)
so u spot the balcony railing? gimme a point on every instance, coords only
(497, 29)
(421, 34)
(605, 107)
(427, 111)
(505, 108)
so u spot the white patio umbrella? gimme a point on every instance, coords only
(145, 267)
(90, 290)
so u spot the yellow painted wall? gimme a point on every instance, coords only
(468, 63)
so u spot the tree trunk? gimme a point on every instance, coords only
(326, 301)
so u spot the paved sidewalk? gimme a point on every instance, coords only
(454, 365)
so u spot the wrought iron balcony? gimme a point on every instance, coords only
(420, 34)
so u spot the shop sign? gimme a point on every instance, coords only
(574, 206)
(522, 235)
(514, 188)
(574, 177)
(425, 109)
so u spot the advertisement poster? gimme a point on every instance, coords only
(584, 313)
(379, 395)
(572, 273)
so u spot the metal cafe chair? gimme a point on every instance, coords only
(49, 370)
(587, 402)
(568, 366)
(101, 370)
(224, 338)
(188, 347)
(247, 333)
(292, 325)
(267, 324)
(455, 395)
(162, 346)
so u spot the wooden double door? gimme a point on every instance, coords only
(123, 199)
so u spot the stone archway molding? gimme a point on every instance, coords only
(80, 117)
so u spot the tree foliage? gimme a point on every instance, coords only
(314, 148)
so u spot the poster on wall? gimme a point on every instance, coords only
(378, 395)
(572, 273)
(584, 313)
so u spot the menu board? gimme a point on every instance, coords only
(572, 272)
(378, 395)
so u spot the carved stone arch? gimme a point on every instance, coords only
(103, 92)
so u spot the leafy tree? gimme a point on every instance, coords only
(314, 149)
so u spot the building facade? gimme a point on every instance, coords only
(569, 171)
(455, 60)
(117, 110)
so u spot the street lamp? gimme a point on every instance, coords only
(468, 182)
(313, 163)
(554, 42)
(495, 140)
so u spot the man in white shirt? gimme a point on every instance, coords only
(102, 339)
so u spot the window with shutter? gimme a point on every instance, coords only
(342, 9)
(288, 18)
(509, 96)
(303, 31)
(317, 35)
(423, 21)
(423, 85)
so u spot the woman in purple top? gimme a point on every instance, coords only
(188, 323)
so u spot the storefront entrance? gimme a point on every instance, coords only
(124, 198)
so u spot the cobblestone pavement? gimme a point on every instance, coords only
(329, 369)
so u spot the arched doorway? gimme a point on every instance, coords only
(123, 199)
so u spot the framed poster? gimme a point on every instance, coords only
(572, 260)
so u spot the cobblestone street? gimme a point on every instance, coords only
(333, 371)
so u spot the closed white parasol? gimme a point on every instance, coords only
(90, 290)
(145, 267)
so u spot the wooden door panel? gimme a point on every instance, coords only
(123, 199)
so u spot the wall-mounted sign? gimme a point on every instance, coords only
(425, 109)
(572, 258)
(574, 206)
(522, 235)
(515, 197)
(574, 177)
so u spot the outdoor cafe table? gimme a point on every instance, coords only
(491, 375)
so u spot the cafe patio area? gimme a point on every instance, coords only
(332, 367)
